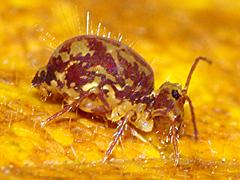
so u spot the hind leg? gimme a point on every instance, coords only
(66, 109)
(98, 92)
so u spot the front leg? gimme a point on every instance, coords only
(174, 139)
(117, 135)
(174, 128)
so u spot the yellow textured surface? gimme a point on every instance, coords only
(169, 35)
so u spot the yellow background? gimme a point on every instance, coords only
(169, 35)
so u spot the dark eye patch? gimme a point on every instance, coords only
(175, 94)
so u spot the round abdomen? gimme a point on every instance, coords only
(86, 62)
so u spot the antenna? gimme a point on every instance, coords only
(200, 58)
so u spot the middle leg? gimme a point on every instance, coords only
(117, 135)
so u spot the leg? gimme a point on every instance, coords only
(102, 97)
(67, 108)
(193, 118)
(179, 126)
(75, 104)
(140, 137)
(121, 142)
(174, 140)
(117, 135)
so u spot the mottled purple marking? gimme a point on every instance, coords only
(101, 58)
